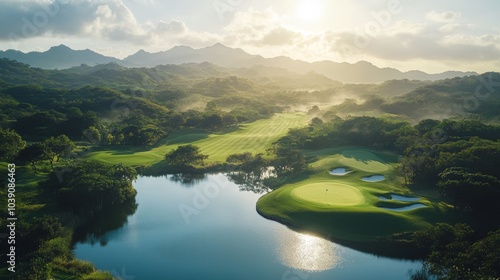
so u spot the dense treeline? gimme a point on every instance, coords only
(88, 188)
(371, 132)
(108, 117)
(453, 252)
(470, 97)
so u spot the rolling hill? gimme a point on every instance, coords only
(218, 54)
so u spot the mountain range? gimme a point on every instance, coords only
(62, 57)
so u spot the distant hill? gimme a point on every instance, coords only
(465, 97)
(62, 57)
(184, 85)
(360, 72)
(59, 57)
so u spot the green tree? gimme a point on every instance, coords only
(229, 119)
(314, 110)
(248, 163)
(453, 253)
(12, 143)
(316, 122)
(470, 190)
(91, 187)
(287, 159)
(176, 121)
(60, 146)
(92, 134)
(212, 121)
(186, 155)
(33, 153)
(211, 107)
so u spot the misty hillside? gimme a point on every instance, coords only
(189, 84)
(62, 57)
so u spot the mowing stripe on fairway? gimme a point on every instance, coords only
(254, 137)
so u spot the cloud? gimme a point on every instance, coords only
(100, 19)
(172, 27)
(440, 39)
(35, 18)
(279, 36)
(449, 27)
(420, 41)
(448, 16)
(441, 36)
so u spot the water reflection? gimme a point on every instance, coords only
(188, 179)
(307, 252)
(249, 182)
(107, 226)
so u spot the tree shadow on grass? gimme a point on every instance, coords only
(121, 150)
(178, 137)
(362, 156)
(184, 136)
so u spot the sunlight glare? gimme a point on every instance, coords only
(309, 10)
(308, 253)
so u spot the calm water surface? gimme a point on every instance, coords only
(209, 229)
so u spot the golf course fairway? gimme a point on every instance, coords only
(346, 208)
(253, 137)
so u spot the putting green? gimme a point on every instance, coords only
(329, 194)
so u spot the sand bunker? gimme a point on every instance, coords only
(400, 198)
(339, 171)
(374, 178)
(405, 208)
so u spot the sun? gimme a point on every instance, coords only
(310, 10)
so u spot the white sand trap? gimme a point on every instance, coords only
(405, 208)
(400, 198)
(374, 178)
(339, 171)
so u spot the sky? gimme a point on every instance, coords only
(433, 36)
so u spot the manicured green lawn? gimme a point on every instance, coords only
(345, 207)
(328, 194)
(255, 137)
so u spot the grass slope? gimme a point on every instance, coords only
(254, 137)
(350, 209)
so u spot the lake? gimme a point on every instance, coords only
(207, 228)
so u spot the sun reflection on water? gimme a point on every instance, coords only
(306, 252)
